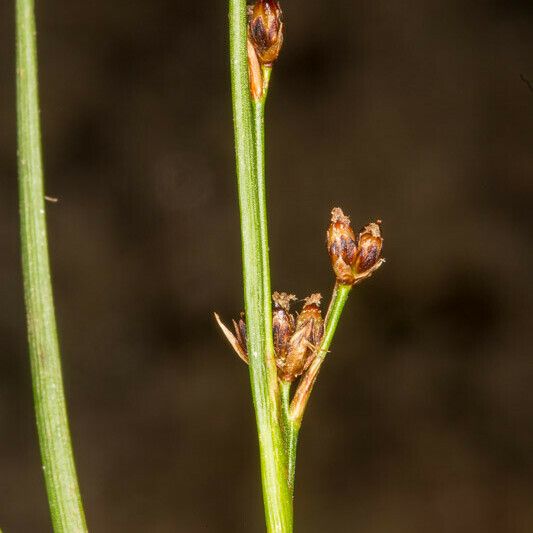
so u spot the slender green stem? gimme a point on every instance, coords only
(51, 413)
(265, 391)
(291, 428)
(301, 397)
(293, 411)
(259, 148)
(340, 296)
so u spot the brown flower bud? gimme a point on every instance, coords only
(306, 338)
(369, 245)
(341, 246)
(265, 30)
(282, 325)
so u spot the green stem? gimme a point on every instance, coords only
(265, 392)
(259, 148)
(340, 296)
(51, 413)
(293, 412)
(291, 429)
(301, 397)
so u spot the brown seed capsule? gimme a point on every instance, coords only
(307, 336)
(369, 246)
(282, 325)
(265, 30)
(341, 245)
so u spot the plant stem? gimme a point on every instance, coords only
(259, 148)
(293, 412)
(263, 377)
(301, 397)
(51, 413)
(291, 429)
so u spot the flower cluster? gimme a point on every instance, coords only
(353, 258)
(295, 338)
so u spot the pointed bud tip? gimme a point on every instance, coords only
(337, 215)
(283, 300)
(314, 299)
(373, 229)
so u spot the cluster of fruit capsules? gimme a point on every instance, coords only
(295, 338)
(353, 258)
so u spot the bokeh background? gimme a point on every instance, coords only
(418, 113)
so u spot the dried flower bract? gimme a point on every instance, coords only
(237, 341)
(254, 72)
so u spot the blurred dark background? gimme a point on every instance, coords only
(418, 113)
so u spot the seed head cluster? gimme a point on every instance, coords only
(353, 258)
(297, 338)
